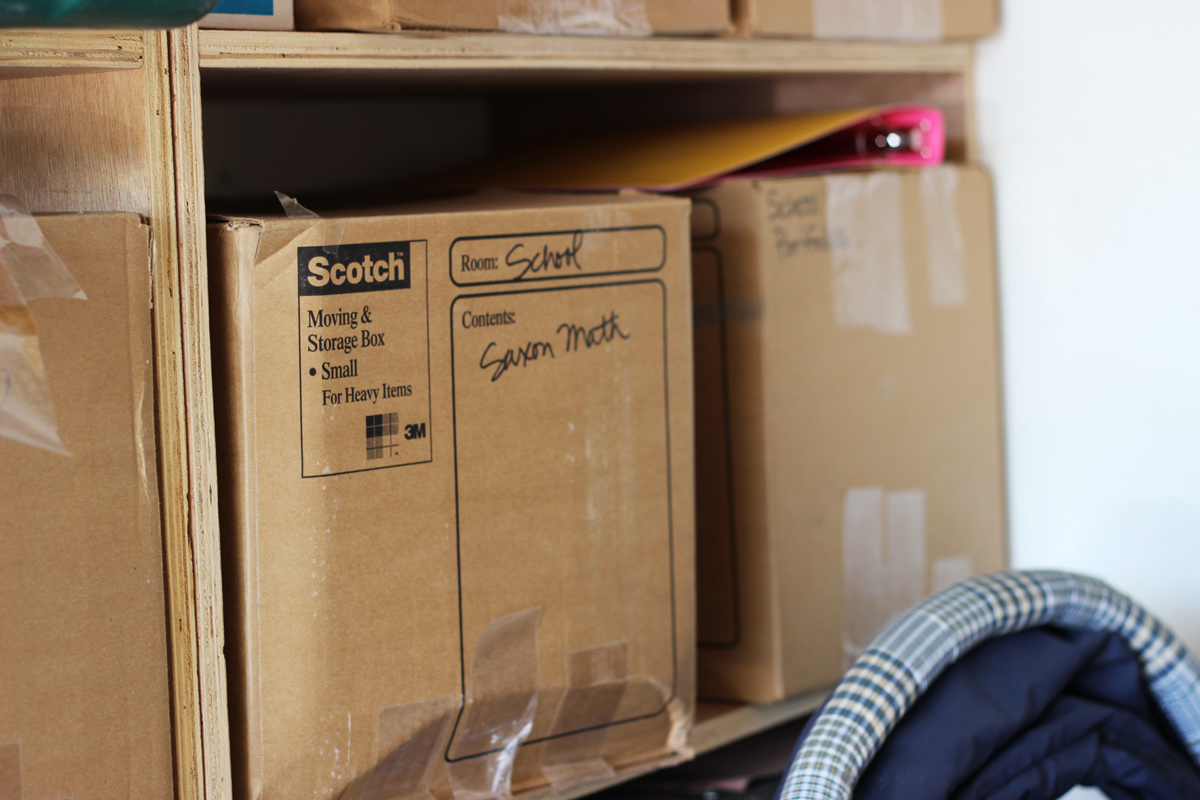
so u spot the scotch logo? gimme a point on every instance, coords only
(371, 267)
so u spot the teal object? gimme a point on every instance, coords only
(102, 13)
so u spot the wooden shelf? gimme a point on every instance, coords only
(31, 53)
(484, 58)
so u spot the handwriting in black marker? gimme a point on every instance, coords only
(531, 351)
(605, 332)
(547, 259)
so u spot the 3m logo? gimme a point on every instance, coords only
(371, 267)
(382, 430)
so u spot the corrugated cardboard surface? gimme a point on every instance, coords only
(805, 410)
(535, 468)
(661, 16)
(84, 705)
(956, 19)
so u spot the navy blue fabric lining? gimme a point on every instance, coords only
(1029, 716)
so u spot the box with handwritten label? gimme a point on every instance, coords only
(849, 440)
(457, 498)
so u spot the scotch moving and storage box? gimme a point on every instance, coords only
(84, 704)
(595, 17)
(848, 415)
(456, 449)
(262, 15)
(896, 20)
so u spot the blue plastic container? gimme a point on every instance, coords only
(102, 13)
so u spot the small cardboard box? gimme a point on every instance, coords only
(457, 493)
(890, 20)
(849, 453)
(256, 15)
(604, 17)
(84, 703)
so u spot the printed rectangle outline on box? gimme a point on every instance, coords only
(670, 520)
(560, 277)
(428, 378)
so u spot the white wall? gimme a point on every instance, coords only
(1090, 120)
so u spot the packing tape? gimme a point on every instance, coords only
(943, 232)
(865, 229)
(949, 571)
(29, 270)
(901, 20)
(409, 741)
(883, 559)
(594, 17)
(11, 786)
(499, 713)
(277, 238)
(596, 682)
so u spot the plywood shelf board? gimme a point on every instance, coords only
(28, 53)
(492, 56)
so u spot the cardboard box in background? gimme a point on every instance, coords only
(260, 15)
(895, 20)
(602, 17)
(84, 703)
(849, 450)
(456, 461)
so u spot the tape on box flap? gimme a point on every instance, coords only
(29, 270)
(900, 20)
(595, 17)
(597, 679)
(499, 712)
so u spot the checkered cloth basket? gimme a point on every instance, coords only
(914, 649)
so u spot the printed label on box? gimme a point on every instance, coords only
(552, 255)
(561, 441)
(364, 357)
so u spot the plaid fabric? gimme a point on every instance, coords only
(915, 648)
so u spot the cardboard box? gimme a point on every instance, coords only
(603, 17)
(457, 493)
(894, 20)
(257, 15)
(84, 703)
(849, 449)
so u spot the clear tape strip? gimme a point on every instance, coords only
(597, 680)
(594, 17)
(11, 783)
(865, 228)
(883, 559)
(409, 740)
(500, 711)
(29, 270)
(944, 237)
(897, 20)
(276, 238)
(949, 571)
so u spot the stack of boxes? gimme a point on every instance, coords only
(887, 20)
(507, 481)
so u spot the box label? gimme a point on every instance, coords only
(562, 458)
(364, 357)
(553, 255)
